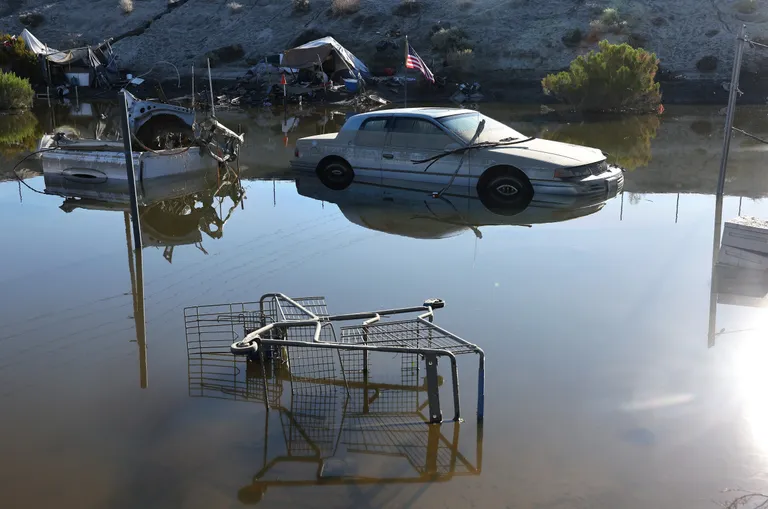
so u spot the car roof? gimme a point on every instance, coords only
(421, 112)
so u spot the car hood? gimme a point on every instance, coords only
(550, 153)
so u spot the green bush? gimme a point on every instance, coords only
(15, 93)
(15, 56)
(614, 78)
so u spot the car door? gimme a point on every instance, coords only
(413, 139)
(368, 146)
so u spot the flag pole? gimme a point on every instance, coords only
(406, 71)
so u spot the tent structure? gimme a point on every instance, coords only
(82, 64)
(326, 52)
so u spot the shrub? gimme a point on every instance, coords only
(407, 7)
(22, 62)
(126, 6)
(234, 7)
(15, 93)
(18, 133)
(446, 40)
(301, 5)
(461, 60)
(345, 6)
(609, 21)
(617, 77)
(31, 19)
(746, 6)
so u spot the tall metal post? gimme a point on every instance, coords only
(137, 291)
(405, 71)
(126, 129)
(210, 85)
(731, 111)
(713, 290)
(139, 318)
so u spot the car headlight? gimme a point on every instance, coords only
(582, 171)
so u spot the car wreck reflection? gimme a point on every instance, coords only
(174, 211)
(408, 208)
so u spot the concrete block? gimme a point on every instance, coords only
(747, 233)
(736, 257)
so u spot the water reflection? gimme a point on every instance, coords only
(408, 209)
(335, 428)
(18, 134)
(625, 139)
(173, 211)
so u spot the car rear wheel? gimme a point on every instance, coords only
(505, 190)
(336, 174)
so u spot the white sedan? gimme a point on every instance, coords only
(455, 147)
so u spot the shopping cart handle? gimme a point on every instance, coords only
(434, 303)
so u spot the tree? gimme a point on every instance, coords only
(617, 77)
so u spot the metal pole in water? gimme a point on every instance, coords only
(713, 283)
(731, 111)
(210, 85)
(141, 325)
(126, 129)
(193, 86)
(406, 72)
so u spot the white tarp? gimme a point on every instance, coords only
(307, 54)
(53, 55)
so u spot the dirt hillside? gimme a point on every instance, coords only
(691, 37)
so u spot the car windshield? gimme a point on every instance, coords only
(465, 125)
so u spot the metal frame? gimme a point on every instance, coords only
(321, 425)
(305, 323)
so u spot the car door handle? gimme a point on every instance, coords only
(388, 156)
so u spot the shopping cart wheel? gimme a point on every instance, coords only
(240, 348)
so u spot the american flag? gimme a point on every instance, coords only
(414, 61)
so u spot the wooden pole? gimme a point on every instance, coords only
(731, 111)
(126, 129)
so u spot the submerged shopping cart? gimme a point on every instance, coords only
(339, 423)
(297, 338)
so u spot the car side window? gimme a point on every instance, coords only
(372, 133)
(416, 133)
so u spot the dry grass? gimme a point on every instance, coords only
(126, 6)
(451, 39)
(747, 6)
(341, 7)
(461, 60)
(234, 7)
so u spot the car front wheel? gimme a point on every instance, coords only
(336, 174)
(505, 190)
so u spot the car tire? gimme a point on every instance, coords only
(505, 190)
(336, 174)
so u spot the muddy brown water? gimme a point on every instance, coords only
(615, 377)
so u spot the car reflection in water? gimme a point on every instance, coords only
(408, 208)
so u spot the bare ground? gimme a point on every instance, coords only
(519, 35)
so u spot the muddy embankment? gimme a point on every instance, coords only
(513, 42)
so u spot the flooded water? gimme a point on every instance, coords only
(615, 377)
